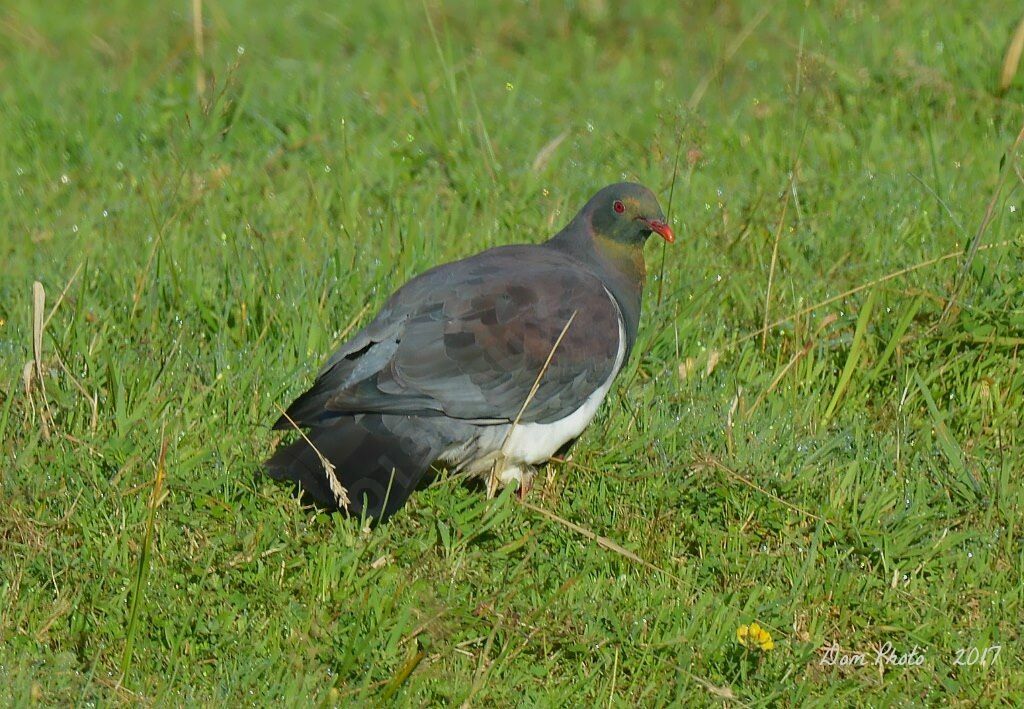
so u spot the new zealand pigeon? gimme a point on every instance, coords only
(488, 365)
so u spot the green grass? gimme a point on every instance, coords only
(851, 477)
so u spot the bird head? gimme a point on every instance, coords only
(627, 213)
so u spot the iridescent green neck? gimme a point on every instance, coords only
(626, 258)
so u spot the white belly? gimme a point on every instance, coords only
(534, 443)
(503, 455)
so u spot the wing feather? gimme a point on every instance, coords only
(467, 340)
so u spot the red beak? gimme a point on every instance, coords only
(662, 229)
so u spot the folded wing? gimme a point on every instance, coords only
(468, 341)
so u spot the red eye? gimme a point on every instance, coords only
(619, 207)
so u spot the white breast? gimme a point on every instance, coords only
(534, 443)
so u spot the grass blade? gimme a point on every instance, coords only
(856, 349)
(951, 450)
(143, 567)
(897, 335)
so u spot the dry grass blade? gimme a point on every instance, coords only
(39, 298)
(1012, 59)
(492, 478)
(790, 192)
(698, 93)
(545, 153)
(603, 542)
(715, 463)
(27, 377)
(337, 489)
(396, 682)
(725, 693)
(1005, 169)
(615, 671)
(197, 41)
(540, 376)
(730, 420)
(775, 258)
(59, 612)
(38, 304)
(93, 399)
(38, 325)
(831, 318)
(415, 632)
(353, 323)
(864, 286)
(60, 298)
(671, 196)
(778, 378)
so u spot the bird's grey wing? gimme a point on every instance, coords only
(475, 343)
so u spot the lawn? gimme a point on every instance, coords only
(819, 430)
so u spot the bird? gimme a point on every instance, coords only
(487, 366)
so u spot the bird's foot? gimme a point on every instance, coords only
(504, 473)
(493, 481)
(525, 485)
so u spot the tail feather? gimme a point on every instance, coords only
(378, 459)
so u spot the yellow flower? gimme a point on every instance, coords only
(755, 637)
